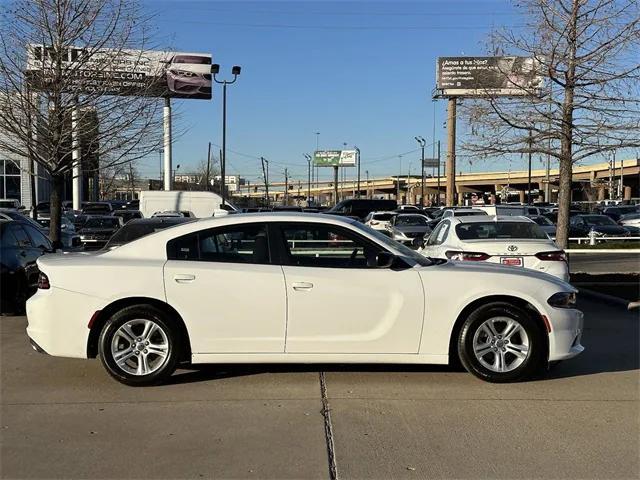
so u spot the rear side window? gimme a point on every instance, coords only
(7, 238)
(233, 244)
(497, 231)
(37, 238)
(22, 240)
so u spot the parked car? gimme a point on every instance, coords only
(66, 224)
(618, 211)
(361, 207)
(97, 208)
(70, 239)
(406, 227)
(546, 225)
(173, 214)
(379, 220)
(512, 241)
(462, 212)
(11, 203)
(97, 231)
(511, 210)
(21, 245)
(127, 215)
(602, 225)
(139, 227)
(630, 220)
(553, 215)
(241, 288)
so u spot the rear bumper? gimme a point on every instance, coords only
(58, 322)
(567, 325)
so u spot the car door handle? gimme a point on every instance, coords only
(184, 278)
(302, 286)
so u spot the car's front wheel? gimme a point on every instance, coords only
(139, 346)
(500, 342)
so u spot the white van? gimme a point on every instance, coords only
(201, 204)
(510, 210)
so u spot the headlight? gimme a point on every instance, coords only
(562, 300)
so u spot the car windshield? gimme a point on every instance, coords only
(101, 222)
(410, 220)
(598, 220)
(468, 213)
(192, 59)
(383, 217)
(544, 221)
(385, 240)
(499, 230)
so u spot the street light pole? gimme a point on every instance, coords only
(422, 142)
(398, 182)
(235, 71)
(308, 157)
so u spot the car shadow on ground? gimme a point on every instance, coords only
(612, 344)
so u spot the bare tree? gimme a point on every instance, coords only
(590, 105)
(58, 91)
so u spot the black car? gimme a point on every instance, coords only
(140, 227)
(97, 208)
(21, 245)
(127, 215)
(360, 208)
(616, 212)
(581, 225)
(97, 231)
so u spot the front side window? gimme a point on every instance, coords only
(234, 244)
(317, 245)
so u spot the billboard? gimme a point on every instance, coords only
(335, 158)
(124, 72)
(430, 162)
(487, 76)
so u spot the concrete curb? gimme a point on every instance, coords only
(610, 299)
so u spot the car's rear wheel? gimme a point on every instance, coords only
(139, 346)
(500, 342)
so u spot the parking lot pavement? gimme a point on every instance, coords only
(67, 419)
(599, 263)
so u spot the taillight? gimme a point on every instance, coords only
(557, 256)
(43, 282)
(467, 256)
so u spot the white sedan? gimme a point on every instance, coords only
(513, 241)
(295, 288)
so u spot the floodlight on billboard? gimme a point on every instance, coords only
(488, 76)
(123, 72)
(335, 158)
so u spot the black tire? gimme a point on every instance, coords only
(164, 367)
(532, 364)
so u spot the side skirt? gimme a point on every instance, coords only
(198, 358)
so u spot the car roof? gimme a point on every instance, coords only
(491, 218)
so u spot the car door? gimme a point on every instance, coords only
(227, 290)
(339, 301)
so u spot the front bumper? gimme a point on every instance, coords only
(567, 325)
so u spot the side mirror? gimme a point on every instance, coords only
(417, 242)
(385, 259)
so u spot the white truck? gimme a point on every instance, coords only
(200, 204)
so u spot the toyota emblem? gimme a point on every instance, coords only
(512, 248)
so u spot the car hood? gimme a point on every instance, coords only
(609, 229)
(483, 271)
(416, 229)
(98, 231)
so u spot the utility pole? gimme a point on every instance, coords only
(422, 142)
(222, 179)
(208, 168)
(398, 182)
(451, 152)
(131, 181)
(368, 192)
(358, 194)
(438, 200)
(530, 142)
(335, 184)
(265, 173)
(286, 187)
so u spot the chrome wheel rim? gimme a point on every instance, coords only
(501, 344)
(140, 347)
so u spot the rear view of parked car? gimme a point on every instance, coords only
(98, 230)
(20, 246)
(379, 220)
(513, 241)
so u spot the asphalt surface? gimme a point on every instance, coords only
(64, 418)
(599, 263)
